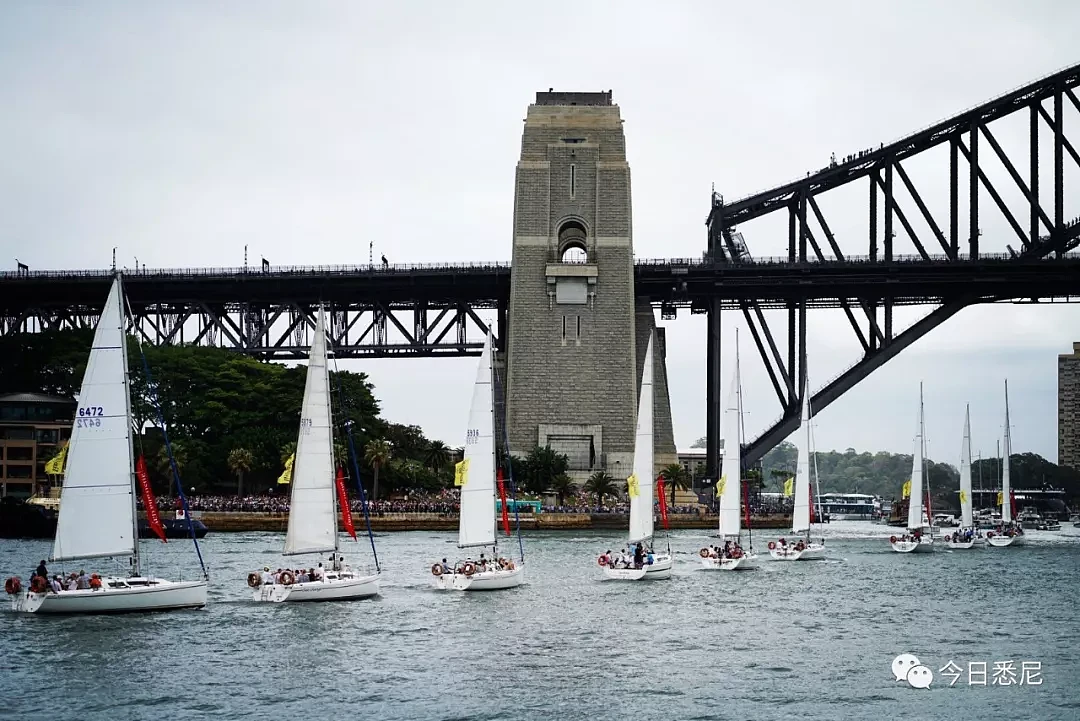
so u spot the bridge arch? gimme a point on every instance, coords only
(572, 244)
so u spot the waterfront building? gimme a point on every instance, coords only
(32, 427)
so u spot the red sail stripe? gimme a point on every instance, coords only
(663, 500)
(149, 503)
(343, 501)
(502, 497)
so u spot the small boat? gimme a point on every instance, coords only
(1009, 533)
(967, 536)
(178, 527)
(97, 506)
(475, 475)
(920, 535)
(803, 549)
(1048, 524)
(316, 492)
(731, 556)
(654, 565)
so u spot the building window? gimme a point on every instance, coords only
(564, 327)
(579, 326)
(573, 179)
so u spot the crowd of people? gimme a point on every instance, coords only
(730, 549)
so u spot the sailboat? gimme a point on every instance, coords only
(967, 536)
(97, 516)
(1009, 533)
(802, 549)
(475, 475)
(655, 565)
(920, 536)
(313, 501)
(732, 556)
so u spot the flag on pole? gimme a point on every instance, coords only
(286, 476)
(789, 488)
(632, 486)
(502, 497)
(662, 498)
(55, 467)
(461, 472)
(149, 503)
(906, 490)
(343, 501)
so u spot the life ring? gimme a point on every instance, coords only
(602, 561)
(287, 578)
(468, 569)
(892, 539)
(772, 545)
(254, 580)
(13, 585)
(37, 585)
(989, 534)
(704, 553)
(436, 569)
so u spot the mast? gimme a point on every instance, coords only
(742, 434)
(1006, 453)
(494, 459)
(925, 461)
(966, 520)
(328, 350)
(135, 559)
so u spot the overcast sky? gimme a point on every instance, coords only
(180, 133)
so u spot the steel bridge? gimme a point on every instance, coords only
(435, 310)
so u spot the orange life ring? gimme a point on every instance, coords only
(287, 578)
(254, 580)
(602, 561)
(772, 545)
(37, 585)
(989, 534)
(704, 553)
(436, 569)
(13, 585)
(468, 569)
(892, 539)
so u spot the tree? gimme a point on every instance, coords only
(179, 455)
(563, 486)
(287, 451)
(677, 478)
(780, 476)
(240, 462)
(702, 442)
(377, 454)
(438, 454)
(544, 466)
(602, 485)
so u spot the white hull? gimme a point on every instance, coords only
(960, 545)
(335, 589)
(813, 552)
(1002, 541)
(481, 581)
(658, 570)
(155, 595)
(746, 562)
(925, 545)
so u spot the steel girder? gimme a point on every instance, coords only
(1043, 232)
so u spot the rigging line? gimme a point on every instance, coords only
(356, 466)
(509, 464)
(152, 391)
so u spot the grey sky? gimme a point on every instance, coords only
(179, 134)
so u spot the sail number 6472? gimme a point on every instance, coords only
(89, 417)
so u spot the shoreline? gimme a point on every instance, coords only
(241, 521)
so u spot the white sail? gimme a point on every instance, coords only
(915, 502)
(97, 505)
(641, 505)
(730, 484)
(800, 520)
(312, 506)
(966, 520)
(1006, 500)
(477, 519)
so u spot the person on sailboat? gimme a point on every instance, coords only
(639, 556)
(445, 566)
(40, 571)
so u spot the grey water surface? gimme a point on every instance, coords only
(807, 640)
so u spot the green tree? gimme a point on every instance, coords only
(602, 485)
(438, 455)
(240, 462)
(377, 454)
(179, 455)
(544, 466)
(287, 450)
(676, 477)
(563, 486)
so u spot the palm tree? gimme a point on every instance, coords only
(240, 462)
(287, 450)
(438, 454)
(676, 477)
(377, 454)
(602, 485)
(341, 455)
(563, 486)
(179, 454)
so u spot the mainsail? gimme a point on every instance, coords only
(730, 484)
(800, 520)
(312, 518)
(640, 483)
(915, 502)
(97, 506)
(1006, 448)
(476, 472)
(966, 520)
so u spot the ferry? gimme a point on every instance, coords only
(850, 506)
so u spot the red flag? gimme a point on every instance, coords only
(663, 501)
(1012, 503)
(502, 497)
(343, 501)
(810, 490)
(148, 501)
(746, 500)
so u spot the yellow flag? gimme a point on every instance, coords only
(55, 467)
(720, 485)
(789, 488)
(461, 472)
(963, 496)
(632, 486)
(1001, 498)
(906, 491)
(286, 477)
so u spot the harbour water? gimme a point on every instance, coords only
(812, 640)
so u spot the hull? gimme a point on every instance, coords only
(960, 545)
(484, 581)
(623, 574)
(1002, 541)
(660, 568)
(746, 562)
(118, 595)
(335, 589)
(174, 528)
(925, 545)
(812, 552)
